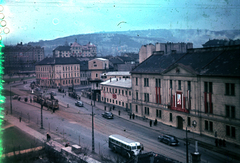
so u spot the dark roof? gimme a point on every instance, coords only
(157, 63)
(58, 61)
(115, 60)
(126, 59)
(63, 48)
(83, 65)
(222, 61)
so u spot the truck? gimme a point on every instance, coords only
(51, 103)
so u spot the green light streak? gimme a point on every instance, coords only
(2, 98)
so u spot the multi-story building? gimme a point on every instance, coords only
(167, 48)
(117, 91)
(97, 66)
(198, 90)
(85, 73)
(75, 50)
(21, 58)
(53, 72)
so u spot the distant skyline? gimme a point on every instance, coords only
(34, 20)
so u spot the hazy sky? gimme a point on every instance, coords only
(33, 20)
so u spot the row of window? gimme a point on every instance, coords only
(119, 91)
(64, 75)
(120, 103)
(229, 87)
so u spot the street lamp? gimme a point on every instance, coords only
(93, 148)
(10, 100)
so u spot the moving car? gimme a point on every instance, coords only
(168, 139)
(79, 103)
(107, 115)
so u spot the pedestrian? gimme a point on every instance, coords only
(150, 123)
(216, 142)
(113, 107)
(48, 137)
(119, 112)
(30, 100)
(133, 115)
(220, 142)
(224, 143)
(130, 115)
(20, 119)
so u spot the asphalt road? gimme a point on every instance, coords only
(75, 124)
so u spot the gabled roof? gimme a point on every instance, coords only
(63, 48)
(221, 61)
(58, 61)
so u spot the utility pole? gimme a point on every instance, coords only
(10, 100)
(41, 114)
(186, 146)
(93, 148)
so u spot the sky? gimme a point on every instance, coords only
(33, 20)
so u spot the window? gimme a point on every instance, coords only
(136, 95)
(126, 93)
(116, 101)
(110, 100)
(170, 83)
(96, 75)
(158, 83)
(170, 117)
(146, 97)
(107, 89)
(189, 121)
(146, 84)
(115, 90)
(122, 103)
(119, 91)
(136, 81)
(230, 131)
(189, 85)
(208, 87)
(208, 126)
(179, 84)
(119, 102)
(159, 113)
(136, 108)
(130, 93)
(122, 92)
(113, 101)
(147, 110)
(230, 89)
(230, 111)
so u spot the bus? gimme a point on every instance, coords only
(124, 146)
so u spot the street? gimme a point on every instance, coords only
(75, 125)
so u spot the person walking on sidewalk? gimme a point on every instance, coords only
(48, 137)
(150, 123)
(133, 115)
(119, 112)
(20, 119)
(130, 115)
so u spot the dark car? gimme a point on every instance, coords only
(79, 103)
(107, 115)
(168, 139)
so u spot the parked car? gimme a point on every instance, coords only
(15, 97)
(79, 103)
(107, 115)
(168, 139)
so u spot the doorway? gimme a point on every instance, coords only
(179, 122)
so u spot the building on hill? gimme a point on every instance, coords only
(61, 71)
(200, 87)
(167, 48)
(221, 42)
(75, 50)
(21, 58)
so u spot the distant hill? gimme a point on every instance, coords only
(113, 43)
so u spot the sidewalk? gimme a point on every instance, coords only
(204, 141)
